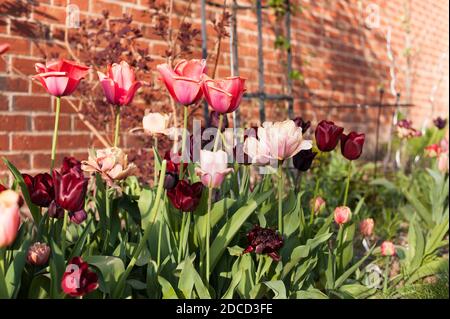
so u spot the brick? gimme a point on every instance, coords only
(47, 122)
(4, 142)
(32, 103)
(31, 142)
(41, 161)
(26, 66)
(14, 123)
(13, 84)
(20, 161)
(4, 102)
(18, 45)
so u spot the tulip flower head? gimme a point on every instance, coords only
(405, 130)
(276, 142)
(300, 122)
(224, 95)
(38, 254)
(264, 241)
(318, 204)
(366, 227)
(155, 123)
(342, 215)
(40, 188)
(60, 77)
(352, 145)
(328, 135)
(185, 196)
(184, 81)
(69, 164)
(304, 159)
(78, 280)
(433, 151)
(9, 217)
(440, 122)
(119, 84)
(213, 168)
(443, 162)
(387, 248)
(111, 163)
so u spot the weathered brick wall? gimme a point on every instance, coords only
(337, 47)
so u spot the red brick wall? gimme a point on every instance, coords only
(342, 60)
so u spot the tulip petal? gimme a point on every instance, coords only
(186, 90)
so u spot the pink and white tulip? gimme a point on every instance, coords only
(9, 217)
(184, 81)
(224, 95)
(119, 84)
(276, 142)
(342, 215)
(213, 168)
(60, 77)
(366, 227)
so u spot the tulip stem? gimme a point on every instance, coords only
(55, 132)
(341, 248)
(63, 233)
(158, 257)
(280, 197)
(155, 149)
(116, 132)
(121, 284)
(316, 191)
(183, 141)
(219, 130)
(386, 274)
(208, 233)
(182, 230)
(348, 183)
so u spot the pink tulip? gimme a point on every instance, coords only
(387, 248)
(433, 151)
(224, 95)
(184, 80)
(60, 77)
(318, 204)
(38, 254)
(4, 47)
(9, 217)
(276, 142)
(366, 227)
(342, 215)
(443, 162)
(119, 84)
(213, 168)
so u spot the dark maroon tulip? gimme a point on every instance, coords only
(303, 160)
(352, 145)
(305, 125)
(70, 190)
(55, 211)
(264, 241)
(213, 120)
(328, 135)
(185, 196)
(170, 180)
(40, 189)
(70, 163)
(78, 217)
(440, 123)
(78, 280)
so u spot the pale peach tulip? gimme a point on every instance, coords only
(318, 204)
(38, 254)
(111, 163)
(366, 227)
(387, 248)
(156, 123)
(276, 142)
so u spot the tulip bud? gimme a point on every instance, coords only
(155, 123)
(305, 125)
(440, 123)
(78, 217)
(366, 227)
(304, 159)
(387, 248)
(38, 254)
(318, 204)
(342, 215)
(55, 211)
(352, 145)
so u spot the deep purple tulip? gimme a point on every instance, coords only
(70, 163)
(78, 217)
(55, 211)
(185, 196)
(440, 123)
(305, 125)
(170, 180)
(40, 189)
(264, 241)
(328, 135)
(70, 190)
(303, 160)
(352, 145)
